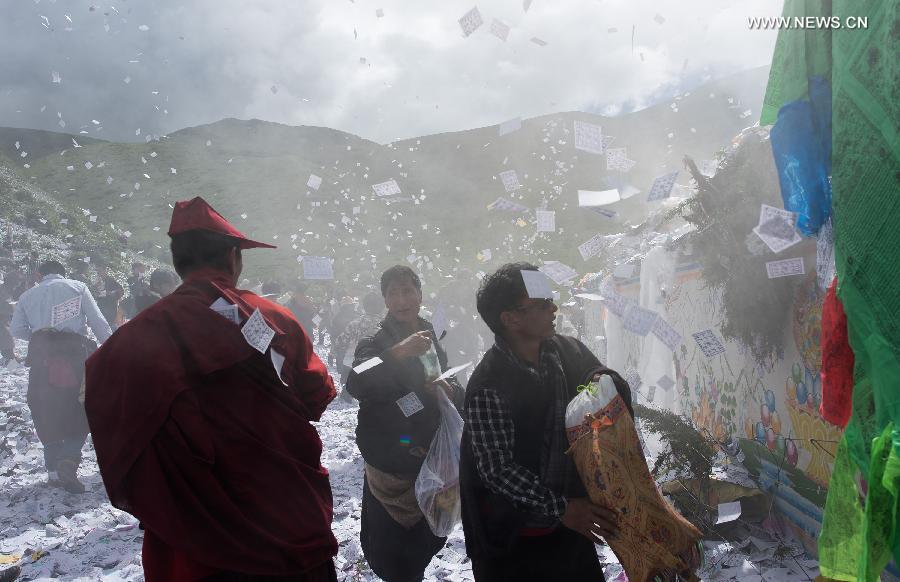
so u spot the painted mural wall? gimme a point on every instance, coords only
(770, 406)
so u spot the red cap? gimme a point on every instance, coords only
(197, 214)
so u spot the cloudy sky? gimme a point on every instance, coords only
(162, 65)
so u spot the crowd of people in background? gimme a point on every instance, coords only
(188, 404)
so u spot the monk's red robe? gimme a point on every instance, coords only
(198, 437)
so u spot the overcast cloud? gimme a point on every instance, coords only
(159, 66)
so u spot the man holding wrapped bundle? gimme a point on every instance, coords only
(525, 512)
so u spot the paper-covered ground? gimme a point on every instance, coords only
(57, 535)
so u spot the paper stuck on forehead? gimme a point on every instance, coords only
(452, 371)
(470, 21)
(226, 310)
(317, 268)
(588, 137)
(546, 220)
(537, 285)
(559, 272)
(314, 182)
(662, 187)
(597, 198)
(367, 365)
(510, 126)
(729, 512)
(257, 332)
(63, 312)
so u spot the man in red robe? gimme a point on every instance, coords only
(200, 410)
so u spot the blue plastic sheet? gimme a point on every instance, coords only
(801, 144)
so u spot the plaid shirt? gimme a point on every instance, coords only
(492, 432)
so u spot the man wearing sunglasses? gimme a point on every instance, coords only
(525, 512)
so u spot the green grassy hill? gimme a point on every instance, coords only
(255, 173)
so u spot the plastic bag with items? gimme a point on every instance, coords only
(437, 486)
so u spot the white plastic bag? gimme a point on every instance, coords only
(590, 401)
(437, 486)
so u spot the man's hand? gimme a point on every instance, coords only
(591, 521)
(413, 346)
(448, 389)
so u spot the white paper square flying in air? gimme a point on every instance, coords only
(588, 137)
(510, 180)
(559, 272)
(439, 321)
(638, 320)
(597, 198)
(708, 342)
(470, 21)
(546, 220)
(314, 182)
(729, 512)
(388, 188)
(506, 205)
(317, 268)
(662, 187)
(785, 268)
(591, 247)
(500, 29)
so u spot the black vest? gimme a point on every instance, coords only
(490, 521)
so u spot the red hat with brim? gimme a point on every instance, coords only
(197, 214)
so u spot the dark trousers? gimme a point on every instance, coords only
(324, 573)
(394, 553)
(561, 555)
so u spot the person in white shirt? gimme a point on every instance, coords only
(53, 316)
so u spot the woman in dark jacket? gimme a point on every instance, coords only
(398, 416)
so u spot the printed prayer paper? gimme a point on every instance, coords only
(595, 198)
(470, 21)
(616, 303)
(317, 319)
(439, 321)
(537, 285)
(665, 383)
(367, 365)
(314, 182)
(728, 512)
(825, 256)
(662, 187)
(257, 332)
(454, 370)
(389, 188)
(591, 247)
(633, 379)
(410, 404)
(638, 320)
(507, 205)
(546, 220)
(617, 159)
(785, 268)
(510, 180)
(226, 310)
(775, 244)
(485, 254)
(651, 394)
(557, 271)
(588, 137)
(667, 334)
(278, 363)
(63, 312)
(500, 29)
(510, 126)
(318, 268)
(781, 222)
(708, 342)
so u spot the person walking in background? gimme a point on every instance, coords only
(201, 411)
(53, 317)
(525, 512)
(109, 298)
(137, 290)
(364, 325)
(398, 417)
(163, 282)
(303, 309)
